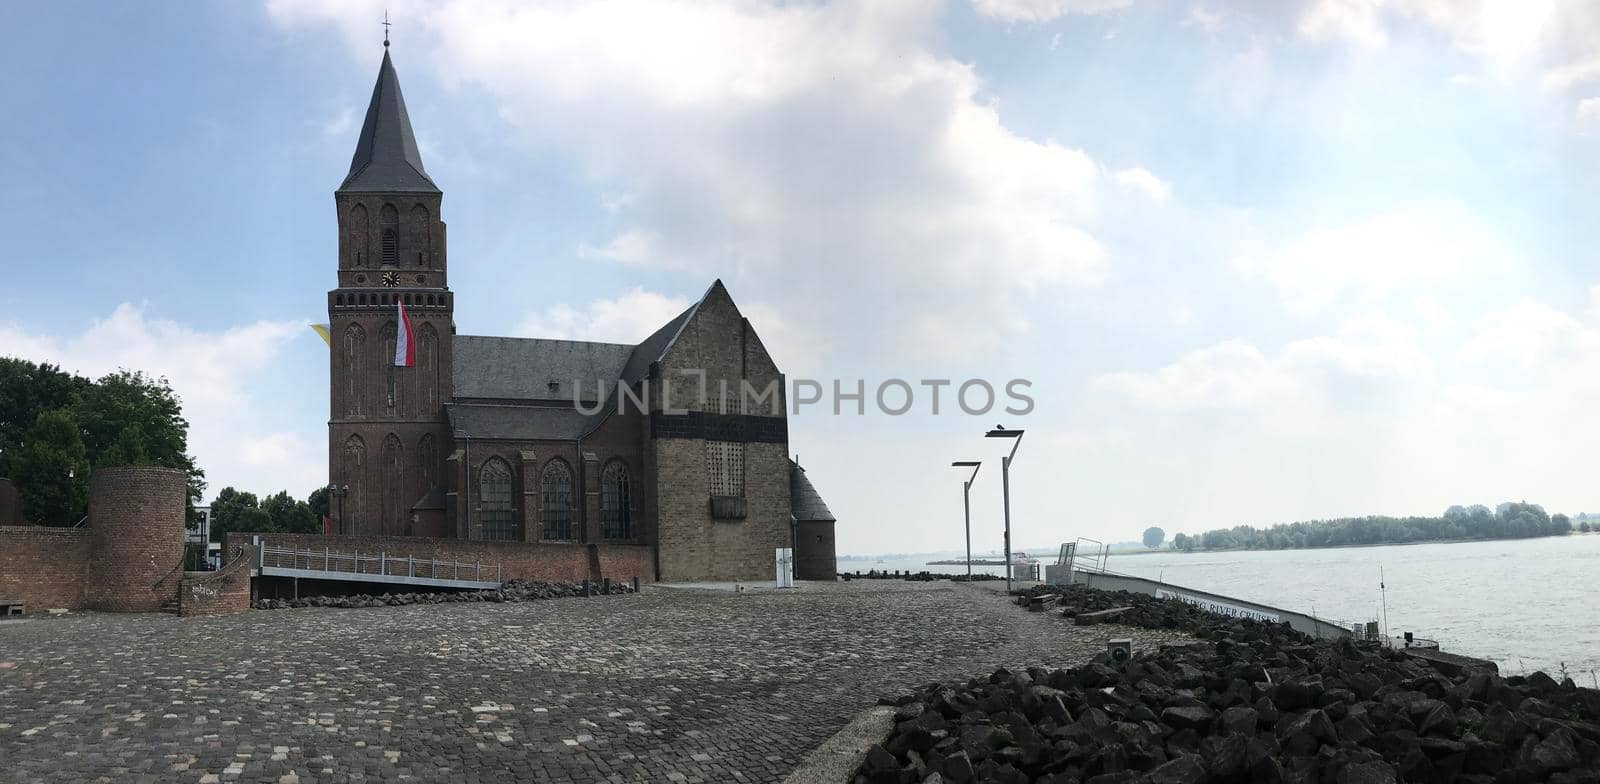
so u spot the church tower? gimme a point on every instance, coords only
(386, 425)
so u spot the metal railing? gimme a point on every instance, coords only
(382, 564)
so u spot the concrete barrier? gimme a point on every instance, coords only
(1225, 605)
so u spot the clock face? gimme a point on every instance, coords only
(391, 279)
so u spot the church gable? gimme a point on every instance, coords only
(715, 338)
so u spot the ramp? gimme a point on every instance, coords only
(382, 567)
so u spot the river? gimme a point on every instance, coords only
(1526, 604)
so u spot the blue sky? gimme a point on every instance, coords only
(1262, 261)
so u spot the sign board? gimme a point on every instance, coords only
(1219, 607)
(785, 567)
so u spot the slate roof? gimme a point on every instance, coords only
(805, 503)
(502, 385)
(522, 368)
(386, 158)
(521, 423)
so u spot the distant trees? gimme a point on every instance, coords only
(1510, 520)
(235, 510)
(57, 427)
(1153, 537)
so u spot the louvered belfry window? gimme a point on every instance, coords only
(391, 247)
(725, 468)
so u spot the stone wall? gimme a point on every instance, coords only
(693, 544)
(545, 561)
(43, 566)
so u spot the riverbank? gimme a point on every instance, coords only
(1251, 702)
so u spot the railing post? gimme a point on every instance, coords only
(433, 570)
(383, 562)
(479, 577)
(411, 566)
(325, 555)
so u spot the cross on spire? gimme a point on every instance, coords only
(386, 27)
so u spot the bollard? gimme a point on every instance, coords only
(585, 587)
(636, 583)
(605, 586)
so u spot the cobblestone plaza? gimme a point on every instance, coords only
(676, 684)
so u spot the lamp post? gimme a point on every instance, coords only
(966, 504)
(339, 493)
(1005, 486)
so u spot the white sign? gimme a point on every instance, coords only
(1220, 608)
(785, 565)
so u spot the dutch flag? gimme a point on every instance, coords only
(405, 353)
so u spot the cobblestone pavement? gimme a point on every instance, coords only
(671, 685)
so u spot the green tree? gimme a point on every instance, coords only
(1560, 525)
(28, 389)
(1153, 537)
(288, 515)
(128, 416)
(229, 513)
(53, 471)
(1583, 527)
(318, 501)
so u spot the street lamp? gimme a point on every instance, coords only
(999, 431)
(966, 503)
(339, 493)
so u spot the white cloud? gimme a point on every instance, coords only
(218, 375)
(629, 318)
(1369, 419)
(755, 140)
(1588, 110)
(1366, 261)
(1045, 10)
(1204, 18)
(634, 246)
(1141, 180)
(1502, 30)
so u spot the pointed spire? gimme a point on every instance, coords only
(386, 158)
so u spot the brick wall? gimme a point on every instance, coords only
(44, 567)
(136, 529)
(814, 555)
(518, 560)
(218, 593)
(10, 503)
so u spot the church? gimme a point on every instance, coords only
(677, 444)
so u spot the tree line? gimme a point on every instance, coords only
(1510, 520)
(236, 510)
(57, 428)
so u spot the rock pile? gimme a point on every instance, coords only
(1146, 611)
(510, 591)
(1252, 702)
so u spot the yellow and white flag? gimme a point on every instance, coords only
(322, 329)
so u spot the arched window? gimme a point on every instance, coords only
(616, 496)
(389, 222)
(427, 374)
(394, 478)
(349, 508)
(557, 496)
(428, 460)
(494, 500)
(356, 237)
(355, 368)
(418, 231)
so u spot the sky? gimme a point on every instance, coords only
(1257, 261)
